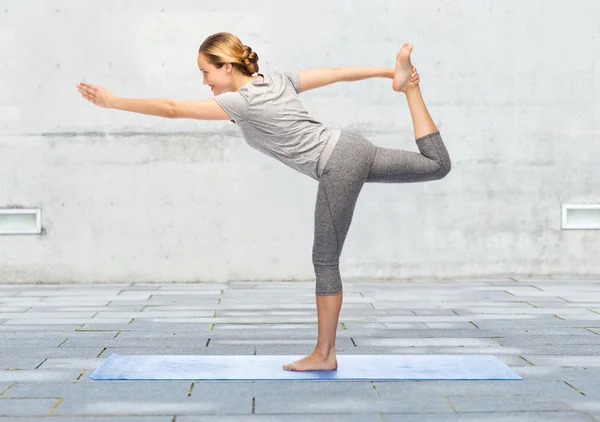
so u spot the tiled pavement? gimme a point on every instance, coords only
(52, 337)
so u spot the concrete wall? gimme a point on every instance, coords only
(513, 85)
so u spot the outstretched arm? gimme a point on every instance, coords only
(315, 78)
(163, 107)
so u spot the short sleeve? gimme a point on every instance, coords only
(234, 104)
(294, 78)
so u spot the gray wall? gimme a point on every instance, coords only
(513, 85)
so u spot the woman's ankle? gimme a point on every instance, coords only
(325, 350)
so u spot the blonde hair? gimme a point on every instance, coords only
(223, 47)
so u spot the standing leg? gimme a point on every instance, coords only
(339, 188)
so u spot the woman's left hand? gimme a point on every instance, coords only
(97, 95)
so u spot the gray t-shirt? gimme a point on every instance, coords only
(274, 121)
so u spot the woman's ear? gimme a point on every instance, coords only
(228, 67)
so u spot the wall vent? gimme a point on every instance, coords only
(581, 216)
(20, 221)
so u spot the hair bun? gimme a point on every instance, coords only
(249, 60)
(248, 54)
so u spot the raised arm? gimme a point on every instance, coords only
(163, 107)
(315, 78)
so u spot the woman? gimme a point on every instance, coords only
(273, 120)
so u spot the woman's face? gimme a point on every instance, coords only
(218, 80)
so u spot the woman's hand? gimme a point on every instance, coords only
(97, 95)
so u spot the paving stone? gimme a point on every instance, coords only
(430, 333)
(186, 286)
(38, 375)
(12, 309)
(373, 417)
(530, 340)
(540, 331)
(500, 388)
(25, 302)
(570, 374)
(70, 363)
(405, 325)
(505, 404)
(110, 314)
(397, 311)
(239, 328)
(457, 318)
(555, 416)
(424, 342)
(558, 350)
(302, 335)
(565, 361)
(460, 304)
(31, 328)
(38, 352)
(14, 363)
(147, 342)
(510, 324)
(26, 407)
(239, 320)
(81, 309)
(118, 302)
(75, 295)
(89, 405)
(315, 403)
(91, 301)
(195, 307)
(253, 388)
(45, 341)
(94, 419)
(141, 326)
(184, 350)
(462, 325)
(543, 303)
(583, 404)
(63, 334)
(104, 390)
(27, 316)
(203, 331)
(45, 321)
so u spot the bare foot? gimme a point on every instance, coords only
(405, 76)
(314, 362)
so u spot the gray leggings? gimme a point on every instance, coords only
(354, 161)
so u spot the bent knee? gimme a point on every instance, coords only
(445, 168)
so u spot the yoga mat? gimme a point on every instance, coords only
(350, 367)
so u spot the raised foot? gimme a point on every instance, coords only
(313, 362)
(405, 75)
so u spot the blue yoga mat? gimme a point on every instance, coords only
(350, 367)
